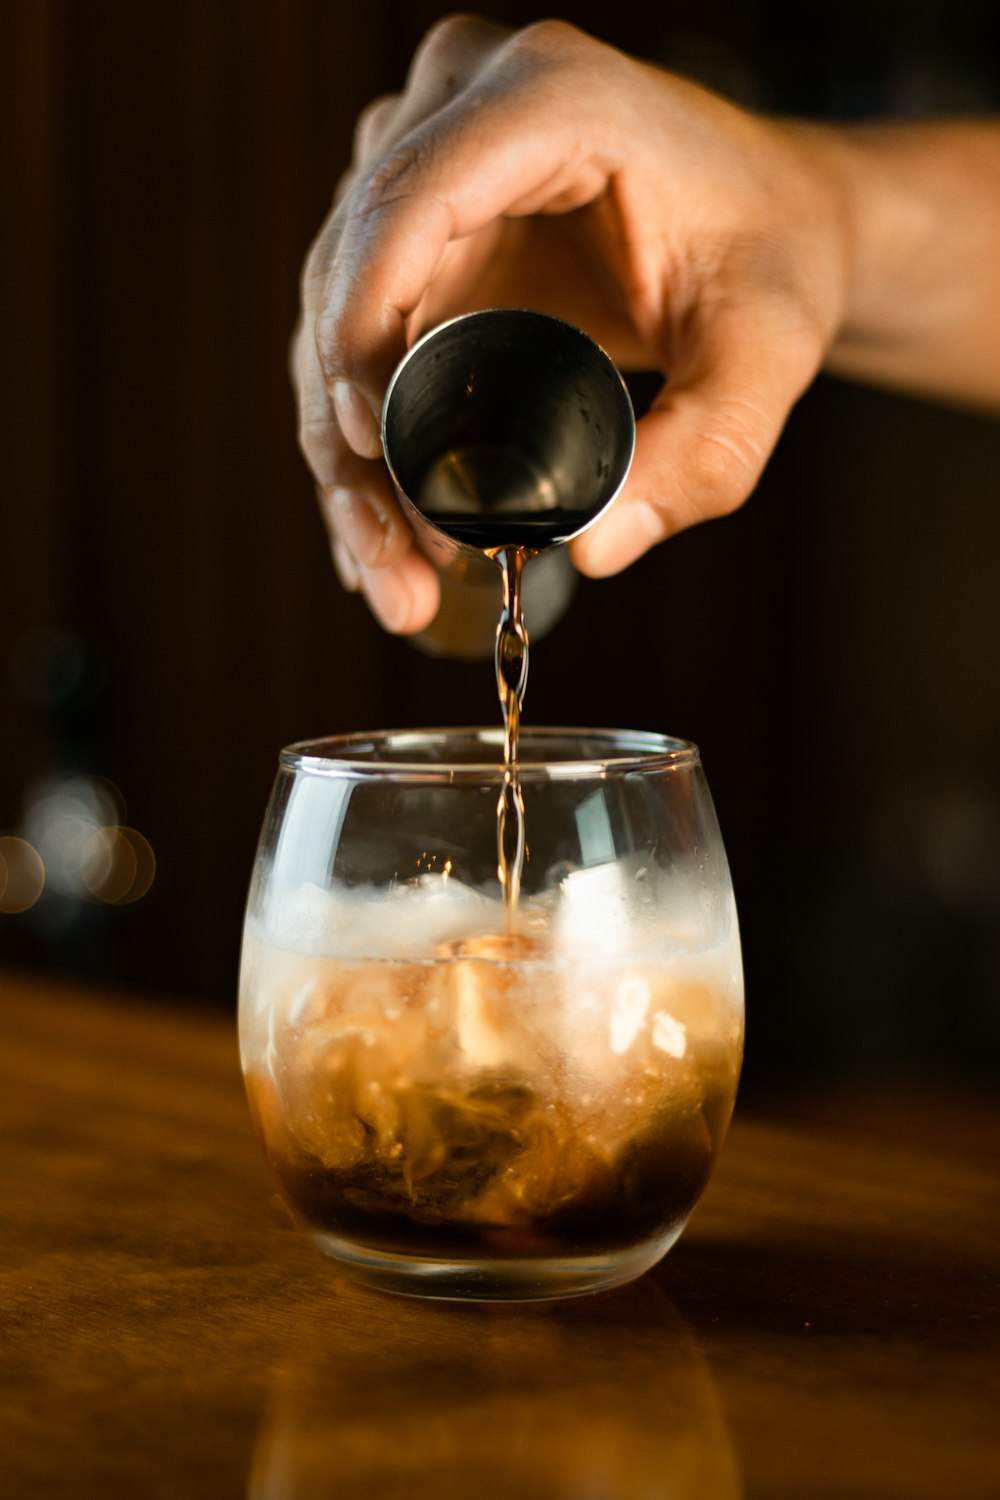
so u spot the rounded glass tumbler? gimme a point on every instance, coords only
(462, 1100)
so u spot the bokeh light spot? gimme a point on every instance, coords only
(117, 865)
(22, 875)
(145, 863)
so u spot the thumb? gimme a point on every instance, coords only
(702, 448)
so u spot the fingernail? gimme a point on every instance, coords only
(357, 421)
(624, 534)
(389, 598)
(359, 524)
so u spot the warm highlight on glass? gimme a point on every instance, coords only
(458, 1099)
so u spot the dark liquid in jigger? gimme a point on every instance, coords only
(527, 534)
(493, 498)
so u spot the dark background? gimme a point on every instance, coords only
(169, 616)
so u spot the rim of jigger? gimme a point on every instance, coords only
(485, 315)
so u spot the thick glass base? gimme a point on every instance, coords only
(526, 1279)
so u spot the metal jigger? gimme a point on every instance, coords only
(504, 428)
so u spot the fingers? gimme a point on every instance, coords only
(400, 586)
(363, 515)
(405, 598)
(373, 548)
(442, 65)
(371, 544)
(494, 144)
(338, 425)
(449, 57)
(701, 449)
(368, 534)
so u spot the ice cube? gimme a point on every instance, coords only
(592, 914)
(488, 985)
(628, 1012)
(555, 1165)
(456, 1140)
(669, 1034)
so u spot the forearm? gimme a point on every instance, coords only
(922, 293)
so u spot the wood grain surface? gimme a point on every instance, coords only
(826, 1326)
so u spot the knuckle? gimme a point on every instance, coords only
(314, 432)
(321, 446)
(372, 122)
(318, 263)
(394, 177)
(548, 40)
(725, 463)
(331, 333)
(446, 43)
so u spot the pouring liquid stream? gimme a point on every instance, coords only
(512, 679)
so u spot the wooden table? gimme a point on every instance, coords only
(826, 1327)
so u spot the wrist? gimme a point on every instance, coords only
(920, 216)
(889, 229)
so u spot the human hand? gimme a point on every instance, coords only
(544, 169)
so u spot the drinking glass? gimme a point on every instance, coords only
(459, 1098)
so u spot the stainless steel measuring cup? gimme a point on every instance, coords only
(504, 427)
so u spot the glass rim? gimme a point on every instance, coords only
(384, 753)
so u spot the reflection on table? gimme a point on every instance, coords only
(610, 1399)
